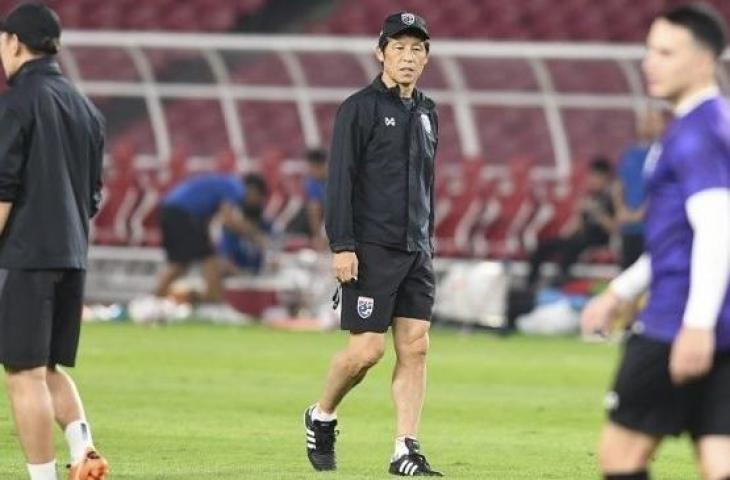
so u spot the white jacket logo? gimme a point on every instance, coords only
(426, 123)
(390, 121)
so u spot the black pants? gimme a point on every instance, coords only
(632, 246)
(567, 250)
(391, 283)
(644, 399)
(40, 317)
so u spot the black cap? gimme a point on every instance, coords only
(36, 25)
(403, 22)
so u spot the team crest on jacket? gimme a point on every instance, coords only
(426, 123)
(407, 18)
(365, 306)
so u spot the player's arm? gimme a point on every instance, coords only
(11, 162)
(624, 213)
(347, 144)
(315, 214)
(605, 219)
(233, 219)
(624, 289)
(702, 168)
(708, 212)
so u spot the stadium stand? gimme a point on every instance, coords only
(182, 107)
(581, 20)
(275, 129)
(167, 15)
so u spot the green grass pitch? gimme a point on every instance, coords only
(200, 401)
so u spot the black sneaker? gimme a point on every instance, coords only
(320, 442)
(413, 464)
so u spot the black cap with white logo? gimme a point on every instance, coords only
(404, 22)
(36, 25)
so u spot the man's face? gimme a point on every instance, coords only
(675, 63)
(596, 182)
(9, 48)
(253, 198)
(403, 59)
(252, 206)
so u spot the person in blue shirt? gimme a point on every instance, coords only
(245, 253)
(314, 189)
(674, 376)
(309, 220)
(629, 193)
(185, 219)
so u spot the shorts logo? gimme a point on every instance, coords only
(407, 18)
(611, 401)
(365, 306)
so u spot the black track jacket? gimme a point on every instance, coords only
(381, 171)
(51, 150)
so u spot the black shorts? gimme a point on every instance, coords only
(40, 317)
(185, 237)
(391, 283)
(644, 398)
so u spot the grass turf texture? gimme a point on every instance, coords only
(200, 401)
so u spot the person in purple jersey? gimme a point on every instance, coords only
(675, 373)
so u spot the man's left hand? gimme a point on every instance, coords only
(692, 355)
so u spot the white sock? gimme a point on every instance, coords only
(78, 437)
(400, 447)
(43, 471)
(319, 415)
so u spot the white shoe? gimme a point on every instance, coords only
(221, 313)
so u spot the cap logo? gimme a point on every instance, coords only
(408, 18)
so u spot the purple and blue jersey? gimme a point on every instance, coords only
(693, 155)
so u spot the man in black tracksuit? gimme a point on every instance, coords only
(380, 220)
(51, 150)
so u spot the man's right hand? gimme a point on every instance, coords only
(344, 265)
(599, 312)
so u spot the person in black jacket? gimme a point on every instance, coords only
(592, 225)
(51, 149)
(379, 220)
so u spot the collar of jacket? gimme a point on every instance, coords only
(418, 97)
(45, 65)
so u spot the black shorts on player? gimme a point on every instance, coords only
(391, 283)
(40, 317)
(644, 399)
(185, 237)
